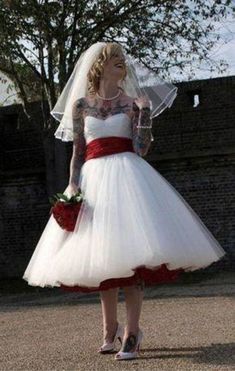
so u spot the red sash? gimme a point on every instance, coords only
(107, 145)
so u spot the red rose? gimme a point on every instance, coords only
(66, 212)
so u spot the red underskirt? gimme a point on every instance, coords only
(149, 276)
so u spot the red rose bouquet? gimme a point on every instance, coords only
(65, 209)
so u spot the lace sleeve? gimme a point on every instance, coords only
(141, 129)
(79, 142)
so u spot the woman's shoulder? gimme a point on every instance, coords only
(80, 103)
(79, 100)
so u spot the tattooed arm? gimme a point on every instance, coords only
(141, 128)
(79, 143)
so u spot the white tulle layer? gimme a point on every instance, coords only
(132, 216)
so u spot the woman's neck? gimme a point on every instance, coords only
(108, 88)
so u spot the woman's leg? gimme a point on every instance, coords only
(134, 298)
(109, 301)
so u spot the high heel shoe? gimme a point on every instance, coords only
(109, 347)
(128, 352)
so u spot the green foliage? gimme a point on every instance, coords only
(69, 200)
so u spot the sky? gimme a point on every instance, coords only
(223, 49)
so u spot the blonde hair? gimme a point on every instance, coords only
(96, 69)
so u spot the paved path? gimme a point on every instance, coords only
(186, 327)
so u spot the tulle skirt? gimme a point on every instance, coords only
(133, 226)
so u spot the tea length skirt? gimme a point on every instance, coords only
(133, 225)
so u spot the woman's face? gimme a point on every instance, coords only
(115, 66)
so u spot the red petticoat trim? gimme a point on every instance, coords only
(150, 277)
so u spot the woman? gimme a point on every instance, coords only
(133, 229)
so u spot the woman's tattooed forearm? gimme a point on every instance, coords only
(76, 163)
(141, 136)
(144, 117)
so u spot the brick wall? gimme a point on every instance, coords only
(23, 197)
(194, 149)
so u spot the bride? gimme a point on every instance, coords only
(133, 229)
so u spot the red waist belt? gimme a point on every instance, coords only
(107, 145)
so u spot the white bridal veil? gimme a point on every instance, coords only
(138, 82)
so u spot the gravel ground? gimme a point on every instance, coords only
(186, 327)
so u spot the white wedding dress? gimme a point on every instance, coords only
(132, 217)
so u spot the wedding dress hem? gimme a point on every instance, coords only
(150, 277)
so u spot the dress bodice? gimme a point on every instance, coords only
(116, 125)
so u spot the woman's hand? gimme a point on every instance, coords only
(142, 102)
(71, 190)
